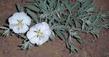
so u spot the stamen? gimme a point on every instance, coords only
(39, 33)
(20, 24)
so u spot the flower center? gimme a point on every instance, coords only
(39, 33)
(20, 24)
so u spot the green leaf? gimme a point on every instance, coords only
(52, 36)
(75, 35)
(68, 4)
(32, 7)
(25, 45)
(78, 38)
(63, 16)
(19, 8)
(33, 15)
(59, 34)
(6, 31)
(73, 49)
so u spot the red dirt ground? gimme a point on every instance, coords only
(91, 48)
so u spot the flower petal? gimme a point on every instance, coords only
(43, 40)
(44, 29)
(30, 34)
(16, 29)
(19, 18)
(34, 40)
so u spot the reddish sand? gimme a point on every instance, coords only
(91, 48)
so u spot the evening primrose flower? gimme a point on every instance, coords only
(39, 33)
(19, 22)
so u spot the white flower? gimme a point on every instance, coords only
(19, 22)
(39, 33)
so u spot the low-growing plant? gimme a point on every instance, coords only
(65, 19)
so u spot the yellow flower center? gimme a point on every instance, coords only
(39, 33)
(20, 24)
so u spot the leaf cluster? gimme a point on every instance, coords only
(67, 19)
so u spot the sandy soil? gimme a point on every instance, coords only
(91, 48)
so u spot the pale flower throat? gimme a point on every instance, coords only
(39, 33)
(20, 24)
